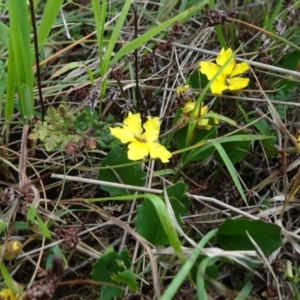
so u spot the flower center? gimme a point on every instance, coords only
(141, 140)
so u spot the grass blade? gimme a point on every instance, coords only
(138, 42)
(20, 48)
(50, 13)
(230, 168)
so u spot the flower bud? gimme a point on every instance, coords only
(12, 250)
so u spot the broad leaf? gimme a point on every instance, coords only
(148, 223)
(127, 277)
(131, 174)
(232, 235)
(110, 267)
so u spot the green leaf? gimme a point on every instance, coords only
(221, 140)
(132, 174)
(109, 292)
(290, 62)
(195, 79)
(50, 12)
(3, 225)
(20, 50)
(182, 274)
(11, 84)
(232, 235)
(148, 222)
(236, 150)
(127, 277)
(67, 67)
(56, 251)
(144, 38)
(106, 267)
(43, 228)
(31, 213)
(264, 128)
(7, 277)
(49, 143)
(32, 216)
(198, 136)
(4, 32)
(230, 168)
(21, 226)
(182, 206)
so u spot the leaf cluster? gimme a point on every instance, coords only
(85, 121)
(57, 129)
(63, 126)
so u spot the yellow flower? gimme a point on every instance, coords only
(199, 113)
(227, 80)
(142, 142)
(7, 294)
(184, 92)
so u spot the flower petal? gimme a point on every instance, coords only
(218, 86)
(137, 150)
(239, 69)
(180, 90)
(157, 150)
(222, 59)
(200, 111)
(188, 107)
(151, 127)
(237, 83)
(204, 110)
(133, 124)
(123, 135)
(203, 124)
(208, 68)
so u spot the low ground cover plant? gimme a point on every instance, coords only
(149, 150)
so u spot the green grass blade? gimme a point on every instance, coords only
(114, 36)
(246, 291)
(4, 31)
(139, 41)
(165, 8)
(163, 215)
(203, 145)
(20, 46)
(112, 42)
(3, 82)
(100, 17)
(174, 286)
(201, 290)
(50, 13)
(11, 83)
(230, 168)
(167, 224)
(7, 278)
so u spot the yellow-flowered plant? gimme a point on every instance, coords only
(142, 140)
(227, 80)
(189, 107)
(12, 250)
(184, 92)
(7, 294)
